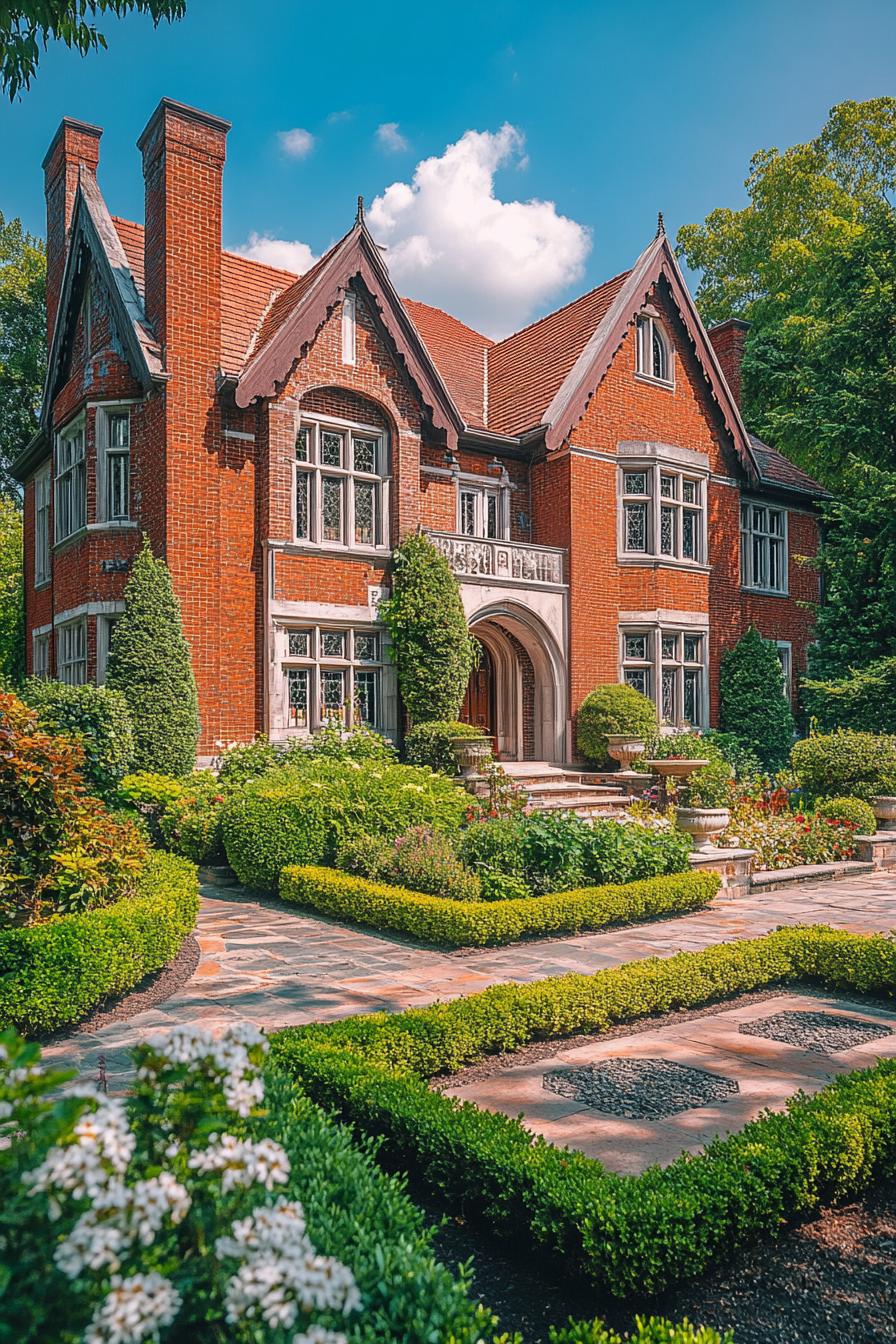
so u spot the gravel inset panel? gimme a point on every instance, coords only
(821, 1032)
(640, 1089)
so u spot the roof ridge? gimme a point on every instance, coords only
(563, 307)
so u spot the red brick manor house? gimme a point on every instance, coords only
(589, 478)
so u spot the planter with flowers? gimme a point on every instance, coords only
(703, 806)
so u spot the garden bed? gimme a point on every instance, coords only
(452, 923)
(625, 1235)
(52, 974)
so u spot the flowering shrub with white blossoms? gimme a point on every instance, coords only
(169, 1213)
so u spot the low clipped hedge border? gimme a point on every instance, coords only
(53, 974)
(626, 1234)
(436, 919)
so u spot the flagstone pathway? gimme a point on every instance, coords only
(278, 966)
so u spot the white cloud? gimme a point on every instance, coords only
(337, 118)
(291, 256)
(453, 243)
(390, 138)
(297, 143)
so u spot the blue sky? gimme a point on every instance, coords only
(611, 110)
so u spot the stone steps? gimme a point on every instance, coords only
(555, 788)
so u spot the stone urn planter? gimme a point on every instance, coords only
(624, 748)
(702, 824)
(884, 808)
(678, 768)
(470, 755)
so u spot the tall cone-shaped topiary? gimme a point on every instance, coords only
(433, 651)
(149, 662)
(753, 705)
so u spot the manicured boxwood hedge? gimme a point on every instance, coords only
(483, 923)
(52, 974)
(627, 1235)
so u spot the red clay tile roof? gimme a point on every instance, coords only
(247, 290)
(459, 354)
(527, 369)
(776, 470)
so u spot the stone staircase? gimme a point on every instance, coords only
(567, 789)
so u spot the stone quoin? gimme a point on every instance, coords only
(590, 478)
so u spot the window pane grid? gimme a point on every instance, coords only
(668, 667)
(763, 547)
(332, 676)
(72, 653)
(655, 520)
(339, 487)
(71, 484)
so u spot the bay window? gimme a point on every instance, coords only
(669, 667)
(341, 486)
(114, 458)
(71, 652)
(663, 513)
(71, 482)
(763, 547)
(332, 676)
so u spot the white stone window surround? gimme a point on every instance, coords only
(657, 464)
(42, 489)
(764, 551)
(113, 462)
(673, 654)
(317, 472)
(483, 507)
(71, 651)
(317, 621)
(40, 651)
(70, 479)
(785, 655)
(654, 351)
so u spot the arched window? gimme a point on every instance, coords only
(654, 358)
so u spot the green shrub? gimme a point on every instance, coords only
(453, 923)
(626, 851)
(59, 847)
(743, 760)
(858, 814)
(710, 786)
(503, 887)
(612, 708)
(652, 1330)
(147, 789)
(432, 648)
(242, 761)
(360, 743)
(95, 716)
(864, 701)
(752, 702)
(149, 663)
(427, 862)
(53, 974)
(494, 845)
(627, 1235)
(304, 816)
(431, 744)
(191, 824)
(845, 764)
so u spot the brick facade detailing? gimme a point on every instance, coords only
(213, 485)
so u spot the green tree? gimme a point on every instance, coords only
(753, 705)
(433, 651)
(26, 28)
(149, 662)
(23, 353)
(12, 638)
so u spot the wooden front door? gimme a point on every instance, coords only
(479, 704)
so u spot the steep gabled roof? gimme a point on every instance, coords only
(460, 355)
(527, 369)
(297, 315)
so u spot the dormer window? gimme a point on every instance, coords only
(654, 354)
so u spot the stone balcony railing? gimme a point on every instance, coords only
(507, 561)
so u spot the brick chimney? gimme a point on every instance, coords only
(183, 167)
(75, 148)
(729, 340)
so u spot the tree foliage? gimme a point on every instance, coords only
(26, 28)
(753, 705)
(12, 643)
(149, 662)
(23, 353)
(433, 651)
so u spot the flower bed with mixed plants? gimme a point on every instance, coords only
(626, 1235)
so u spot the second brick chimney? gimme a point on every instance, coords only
(74, 148)
(729, 341)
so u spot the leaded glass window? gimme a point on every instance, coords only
(653, 355)
(332, 684)
(344, 504)
(478, 511)
(366, 691)
(297, 697)
(669, 643)
(691, 695)
(668, 704)
(655, 521)
(636, 646)
(333, 489)
(367, 648)
(638, 678)
(299, 643)
(667, 666)
(332, 643)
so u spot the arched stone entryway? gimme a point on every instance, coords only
(526, 684)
